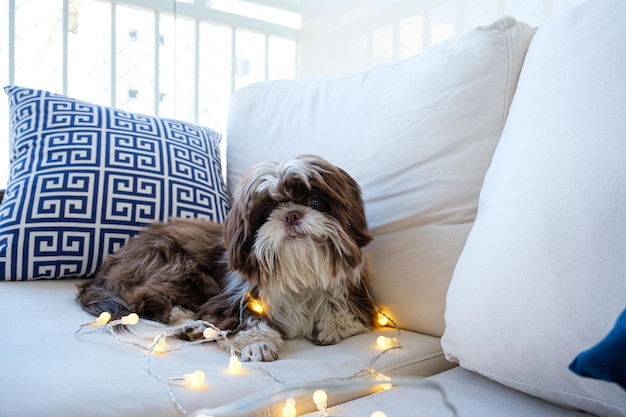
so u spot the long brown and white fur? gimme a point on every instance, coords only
(293, 239)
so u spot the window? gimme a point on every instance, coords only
(180, 59)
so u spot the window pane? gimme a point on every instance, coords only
(4, 48)
(39, 44)
(4, 105)
(134, 59)
(89, 52)
(249, 58)
(215, 81)
(178, 69)
(163, 57)
(282, 56)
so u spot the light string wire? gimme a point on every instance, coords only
(276, 394)
(357, 380)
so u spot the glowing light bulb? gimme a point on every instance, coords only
(386, 385)
(256, 306)
(319, 398)
(195, 379)
(102, 319)
(210, 333)
(289, 410)
(160, 346)
(382, 319)
(131, 319)
(234, 365)
(383, 342)
(378, 414)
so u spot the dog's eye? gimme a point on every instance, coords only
(318, 204)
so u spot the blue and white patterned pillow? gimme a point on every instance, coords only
(85, 178)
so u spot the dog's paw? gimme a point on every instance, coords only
(327, 335)
(256, 342)
(330, 330)
(193, 330)
(260, 351)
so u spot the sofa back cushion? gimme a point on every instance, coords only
(418, 135)
(542, 276)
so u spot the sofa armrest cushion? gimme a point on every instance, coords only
(541, 277)
(418, 136)
(85, 178)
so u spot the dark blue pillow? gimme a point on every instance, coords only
(607, 359)
(85, 178)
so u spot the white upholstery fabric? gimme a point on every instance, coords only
(417, 135)
(47, 370)
(542, 275)
(471, 395)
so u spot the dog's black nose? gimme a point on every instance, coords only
(292, 217)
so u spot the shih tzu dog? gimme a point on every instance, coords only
(293, 241)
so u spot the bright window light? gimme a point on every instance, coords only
(178, 59)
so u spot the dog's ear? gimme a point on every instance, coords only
(246, 216)
(355, 210)
(238, 238)
(350, 212)
(348, 208)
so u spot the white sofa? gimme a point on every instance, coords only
(492, 167)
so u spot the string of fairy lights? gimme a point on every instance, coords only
(367, 378)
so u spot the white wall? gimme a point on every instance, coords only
(340, 36)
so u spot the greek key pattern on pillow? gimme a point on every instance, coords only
(85, 178)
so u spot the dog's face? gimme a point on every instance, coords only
(299, 220)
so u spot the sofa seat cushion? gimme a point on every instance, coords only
(48, 370)
(468, 392)
(541, 277)
(417, 135)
